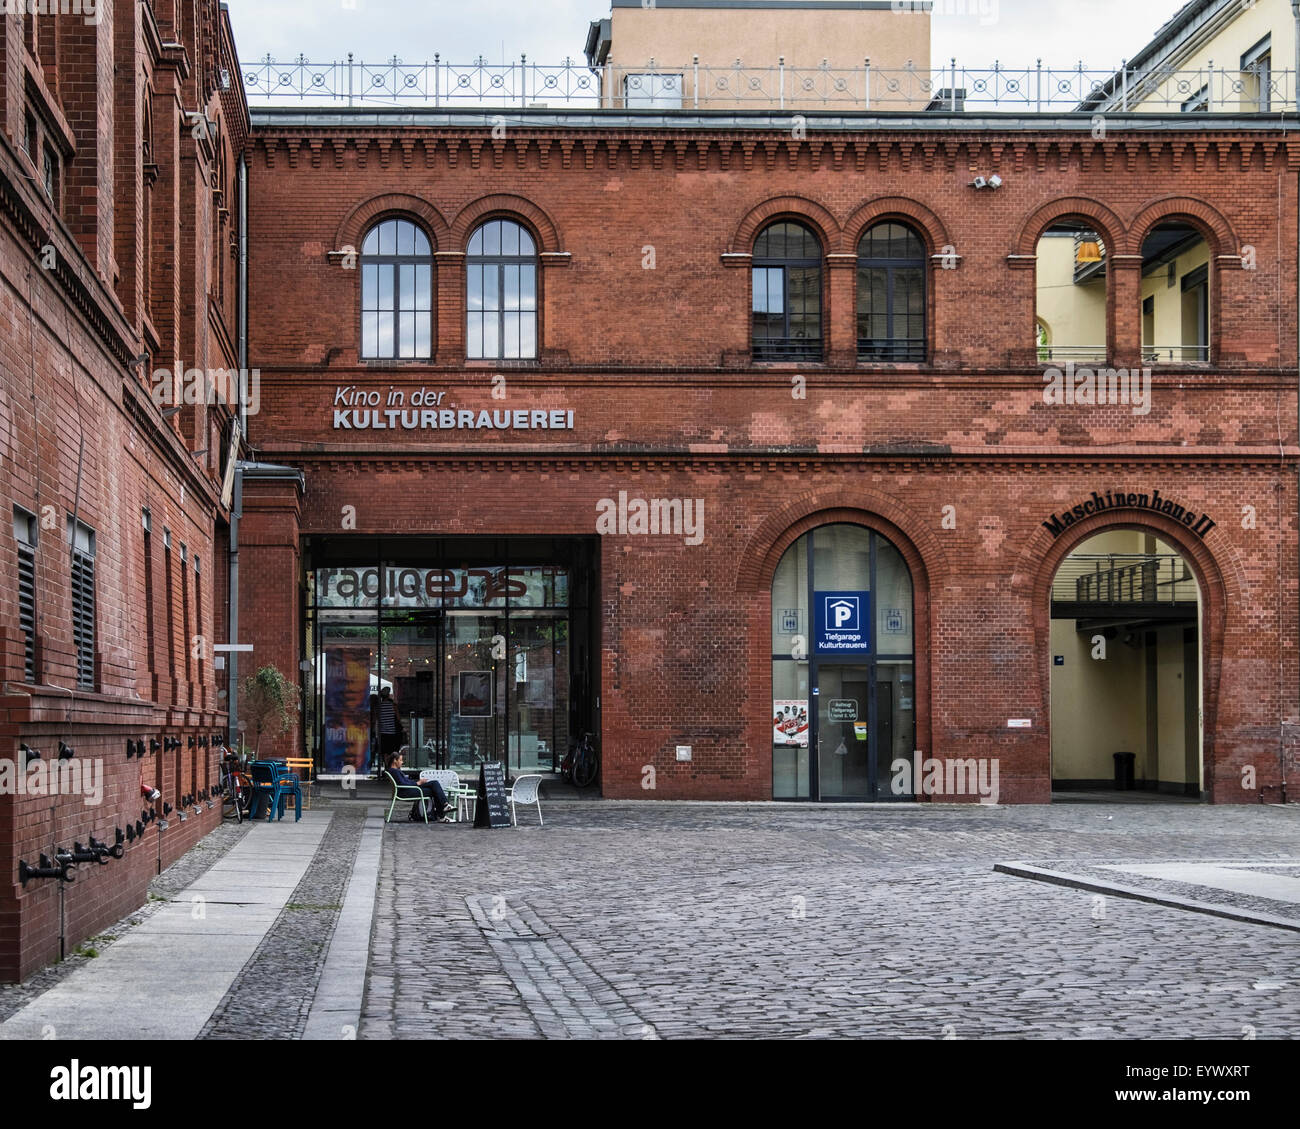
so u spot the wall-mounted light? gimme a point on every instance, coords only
(66, 752)
(994, 182)
(29, 754)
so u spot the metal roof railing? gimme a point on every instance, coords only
(695, 85)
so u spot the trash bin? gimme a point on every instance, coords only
(1124, 764)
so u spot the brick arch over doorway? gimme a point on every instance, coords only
(920, 550)
(1218, 578)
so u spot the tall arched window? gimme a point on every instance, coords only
(396, 292)
(891, 294)
(501, 293)
(787, 294)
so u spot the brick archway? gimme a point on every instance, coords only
(1106, 223)
(1209, 221)
(358, 221)
(505, 206)
(918, 216)
(797, 208)
(903, 529)
(1218, 585)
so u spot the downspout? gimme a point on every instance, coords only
(237, 500)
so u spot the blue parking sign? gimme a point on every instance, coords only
(843, 623)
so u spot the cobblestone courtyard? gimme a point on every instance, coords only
(657, 920)
(670, 920)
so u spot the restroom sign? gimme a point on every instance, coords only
(843, 623)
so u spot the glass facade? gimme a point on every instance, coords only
(474, 638)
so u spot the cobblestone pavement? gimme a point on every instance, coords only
(273, 994)
(660, 920)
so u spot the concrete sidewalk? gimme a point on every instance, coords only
(163, 979)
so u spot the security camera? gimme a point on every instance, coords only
(979, 182)
(995, 181)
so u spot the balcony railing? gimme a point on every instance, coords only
(1049, 354)
(1124, 578)
(696, 85)
(786, 349)
(1165, 354)
(890, 350)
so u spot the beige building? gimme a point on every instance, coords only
(758, 54)
(1215, 56)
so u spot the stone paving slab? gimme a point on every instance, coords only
(162, 980)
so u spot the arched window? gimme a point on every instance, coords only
(891, 294)
(396, 291)
(501, 293)
(787, 294)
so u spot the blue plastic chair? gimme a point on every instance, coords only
(273, 780)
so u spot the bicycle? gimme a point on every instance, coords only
(236, 789)
(582, 765)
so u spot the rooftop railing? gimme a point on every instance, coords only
(695, 85)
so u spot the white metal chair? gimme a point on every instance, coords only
(525, 790)
(451, 785)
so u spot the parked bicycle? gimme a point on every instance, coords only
(236, 788)
(582, 765)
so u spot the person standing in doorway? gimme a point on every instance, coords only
(388, 724)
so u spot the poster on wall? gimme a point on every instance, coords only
(347, 709)
(475, 693)
(790, 722)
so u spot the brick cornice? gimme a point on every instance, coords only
(919, 150)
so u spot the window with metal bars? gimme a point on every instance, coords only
(83, 603)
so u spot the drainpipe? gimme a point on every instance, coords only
(237, 500)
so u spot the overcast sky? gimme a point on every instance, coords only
(1101, 32)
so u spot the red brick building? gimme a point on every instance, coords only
(120, 138)
(839, 457)
(643, 356)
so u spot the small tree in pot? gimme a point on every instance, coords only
(270, 703)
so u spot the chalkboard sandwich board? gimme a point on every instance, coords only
(492, 809)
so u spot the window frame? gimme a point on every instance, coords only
(83, 603)
(500, 262)
(764, 353)
(27, 537)
(1258, 62)
(393, 263)
(915, 350)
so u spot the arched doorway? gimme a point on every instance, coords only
(1125, 678)
(843, 670)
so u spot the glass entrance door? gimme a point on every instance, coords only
(844, 726)
(474, 698)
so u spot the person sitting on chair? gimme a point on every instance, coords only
(431, 788)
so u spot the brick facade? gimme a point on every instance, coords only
(655, 364)
(131, 254)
